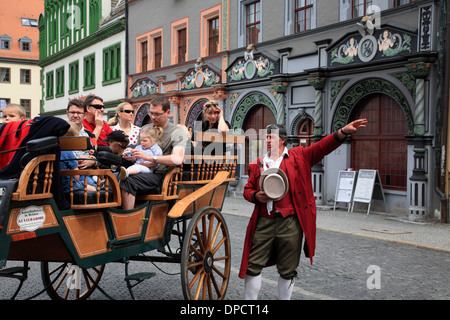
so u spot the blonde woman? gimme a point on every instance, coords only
(122, 121)
(214, 122)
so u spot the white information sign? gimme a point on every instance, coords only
(368, 187)
(344, 188)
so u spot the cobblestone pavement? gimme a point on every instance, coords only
(346, 267)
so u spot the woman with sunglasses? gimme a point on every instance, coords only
(123, 121)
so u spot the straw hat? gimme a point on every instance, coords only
(274, 183)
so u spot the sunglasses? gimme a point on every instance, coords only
(97, 106)
(128, 111)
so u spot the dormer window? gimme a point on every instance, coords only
(25, 44)
(29, 22)
(5, 42)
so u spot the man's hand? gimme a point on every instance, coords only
(353, 126)
(262, 197)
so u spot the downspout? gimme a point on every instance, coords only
(445, 103)
(442, 104)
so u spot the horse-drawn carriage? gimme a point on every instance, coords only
(74, 243)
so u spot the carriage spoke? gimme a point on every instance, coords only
(216, 233)
(221, 242)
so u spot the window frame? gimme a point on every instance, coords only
(175, 26)
(112, 64)
(74, 76)
(9, 75)
(29, 76)
(206, 16)
(251, 25)
(49, 85)
(89, 67)
(26, 107)
(306, 8)
(59, 82)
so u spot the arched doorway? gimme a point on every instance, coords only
(142, 116)
(382, 144)
(258, 118)
(306, 133)
(195, 114)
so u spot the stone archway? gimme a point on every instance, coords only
(247, 102)
(362, 89)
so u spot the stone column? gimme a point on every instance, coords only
(176, 100)
(318, 83)
(280, 88)
(418, 182)
(317, 170)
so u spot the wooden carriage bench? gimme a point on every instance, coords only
(196, 178)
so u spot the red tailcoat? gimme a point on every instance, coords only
(298, 170)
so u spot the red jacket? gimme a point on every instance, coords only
(298, 170)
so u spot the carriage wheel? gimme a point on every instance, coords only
(206, 256)
(67, 281)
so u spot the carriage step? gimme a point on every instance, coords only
(140, 276)
(11, 272)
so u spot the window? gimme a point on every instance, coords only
(359, 7)
(3, 103)
(213, 35)
(5, 42)
(25, 76)
(111, 64)
(89, 72)
(26, 104)
(59, 82)
(179, 41)
(6, 45)
(5, 75)
(253, 22)
(157, 52)
(25, 44)
(144, 56)
(49, 78)
(29, 22)
(181, 36)
(73, 77)
(303, 13)
(210, 31)
(149, 50)
(401, 2)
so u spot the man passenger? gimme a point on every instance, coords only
(93, 120)
(173, 144)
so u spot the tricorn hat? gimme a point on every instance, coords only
(274, 183)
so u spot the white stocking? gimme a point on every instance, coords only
(285, 288)
(252, 286)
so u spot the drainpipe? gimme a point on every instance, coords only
(441, 188)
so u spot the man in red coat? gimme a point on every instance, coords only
(276, 228)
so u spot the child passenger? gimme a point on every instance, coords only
(69, 162)
(148, 137)
(13, 112)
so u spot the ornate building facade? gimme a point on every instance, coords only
(315, 67)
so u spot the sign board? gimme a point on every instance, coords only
(344, 188)
(368, 188)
